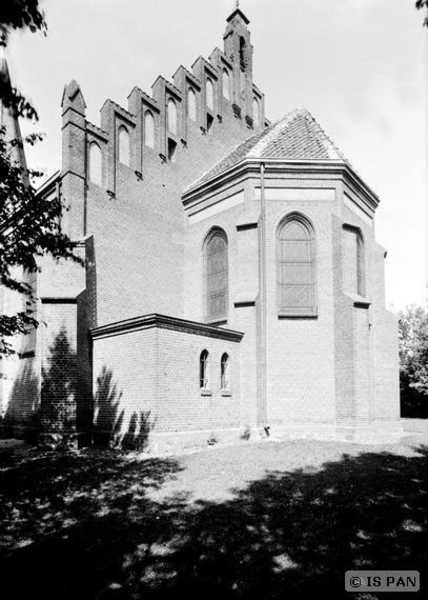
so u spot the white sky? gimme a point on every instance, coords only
(360, 67)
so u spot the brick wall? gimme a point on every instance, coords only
(154, 372)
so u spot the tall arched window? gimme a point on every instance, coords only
(256, 112)
(224, 370)
(209, 90)
(226, 83)
(216, 276)
(203, 370)
(296, 267)
(149, 129)
(172, 116)
(123, 145)
(95, 164)
(361, 284)
(191, 104)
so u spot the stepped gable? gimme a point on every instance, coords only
(232, 94)
(295, 136)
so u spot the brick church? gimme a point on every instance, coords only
(232, 286)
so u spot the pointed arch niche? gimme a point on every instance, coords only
(149, 129)
(95, 166)
(191, 104)
(172, 116)
(124, 143)
(226, 84)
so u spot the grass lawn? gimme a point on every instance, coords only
(255, 521)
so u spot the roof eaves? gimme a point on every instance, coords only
(305, 164)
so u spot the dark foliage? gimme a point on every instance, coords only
(19, 14)
(423, 4)
(29, 224)
(30, 228)
(413, 340)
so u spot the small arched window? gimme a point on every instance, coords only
(95, 164)
(256, 112)
(361, 284)
(226, 83)
(191, 104)
(209, 90)
(149, 129)
(203, 370)
(296, 267)
(224, 370)
(216, 276)
(123, 145)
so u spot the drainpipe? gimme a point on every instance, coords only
(263, 383)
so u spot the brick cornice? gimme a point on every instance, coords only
(165, 322)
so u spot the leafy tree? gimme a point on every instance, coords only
(423, 4)
(29, 224)
(413, 338)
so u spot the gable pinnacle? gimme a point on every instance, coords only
(238, 11)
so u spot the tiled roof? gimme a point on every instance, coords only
(295, 136)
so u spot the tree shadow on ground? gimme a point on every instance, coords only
(97, 533)
(69, 520)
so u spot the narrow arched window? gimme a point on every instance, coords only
(191, 104)
(361, 284)
(216, 276)
(209, 91)
(296, 267)
(256, 112)
(203, 370)
(149, 129)
(224, 370)
(226, 83)
(95, 164)
(242, 52)
(123, 145)
(172, 116)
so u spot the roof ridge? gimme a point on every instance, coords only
(257, 150)
(304, 139)
(326, 138)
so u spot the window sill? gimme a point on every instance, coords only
(226, 393)
(27, 354)
(359, 301)
(206, 392)
(302, 315)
